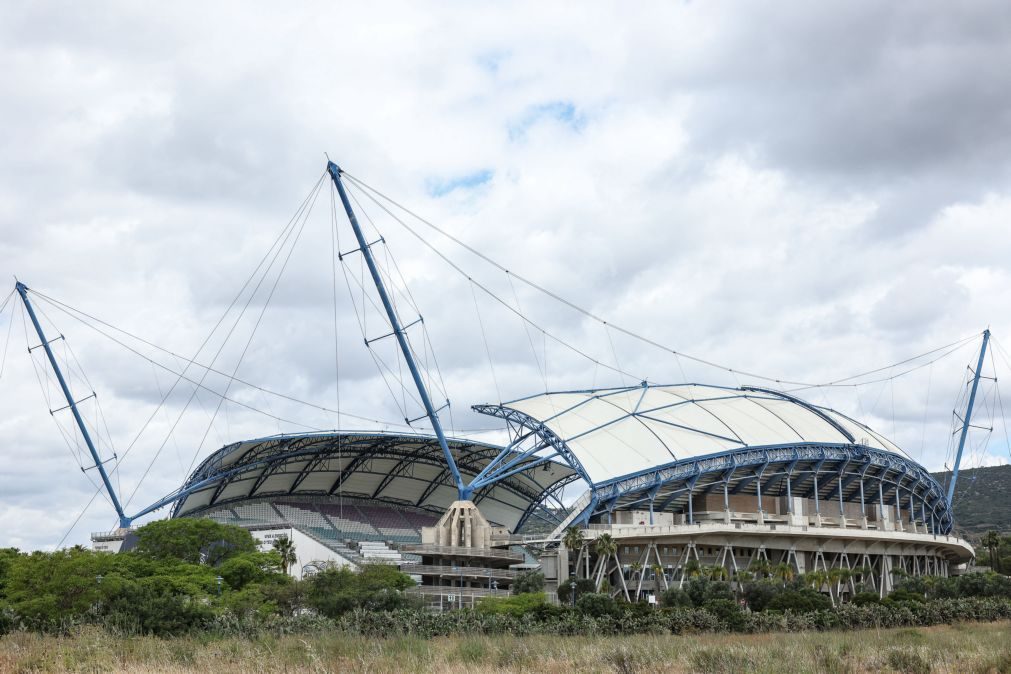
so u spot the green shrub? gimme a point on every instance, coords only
(527, 582)
(730, 615)
(193, 540)
(864, 598)
(702, 590)
(760, 593)
(596, 605)
(377, 587)
(676, 598)
(516, 606)
(580, 586)
(800, 601)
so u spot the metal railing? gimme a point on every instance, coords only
(459, 571)
(454, 551)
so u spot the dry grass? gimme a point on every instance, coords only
(955, 649)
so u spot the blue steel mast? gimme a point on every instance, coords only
(366, 250)
(968, 416)
(124, 521)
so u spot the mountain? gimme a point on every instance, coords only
(982, 500)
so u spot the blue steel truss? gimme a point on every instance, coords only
(825, 471)
(255, 461)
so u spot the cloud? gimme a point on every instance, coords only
(798, 191)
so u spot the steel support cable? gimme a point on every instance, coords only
(491, 294)
(390, 260)
(388, 281)
(1000, 399)
(77, 520)
(69, 354)
(405, 289)
(590, 314)
(955, 347)
(71, 311)
(256, 326)
(360, 318)
(304, 209)
(63, 434)
(926, 408)
(180, 375)
(484, 338)
(334, 247)
(220, 349)
(593, 316)
(10, 326)
(526, 329)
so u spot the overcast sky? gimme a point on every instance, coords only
(800, 190)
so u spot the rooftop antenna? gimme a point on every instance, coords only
(124, 521)
(366, 249)
(968, 415)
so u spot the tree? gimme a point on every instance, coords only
(607, 549)
(716, 572)
(286, 549)
(528, 582)
(193, 540)
(571, 589)
(784, 572)
(693, 568)
(991, 541)
(760, 567)
(658, 576)
(572, 539)
(377, 587)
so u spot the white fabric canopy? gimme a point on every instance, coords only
(616, 432)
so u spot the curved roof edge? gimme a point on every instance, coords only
(398, 468)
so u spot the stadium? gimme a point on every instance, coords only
(670, 479)
(679, 476)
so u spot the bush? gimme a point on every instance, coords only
(516, 606)
(902, 595)
(760, 593)
(580, 587)
(596, 605)
(527, 582)
(730, 615)
(799, 601)
(702, 590)
(865, 598)
(377, 587)
(676, 598)
(193, 540)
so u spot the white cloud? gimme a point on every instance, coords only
(800, 191)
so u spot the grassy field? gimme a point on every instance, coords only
(956, 649)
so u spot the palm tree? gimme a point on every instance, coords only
(836, 576)
(815, 579)
(760, 567)
(785, 572)
(607, 548)
(658, 574)
(636, 574)
(693, 568)
(286, 549)
(991, 541)
(572, 539)
(716, 572)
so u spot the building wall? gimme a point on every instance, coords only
(307, 550)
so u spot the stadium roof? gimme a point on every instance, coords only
(660, 445)
(620, 431)
(397, 468)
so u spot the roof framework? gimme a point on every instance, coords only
(659, 446)
(396, 468)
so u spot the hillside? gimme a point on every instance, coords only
(982, 500)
